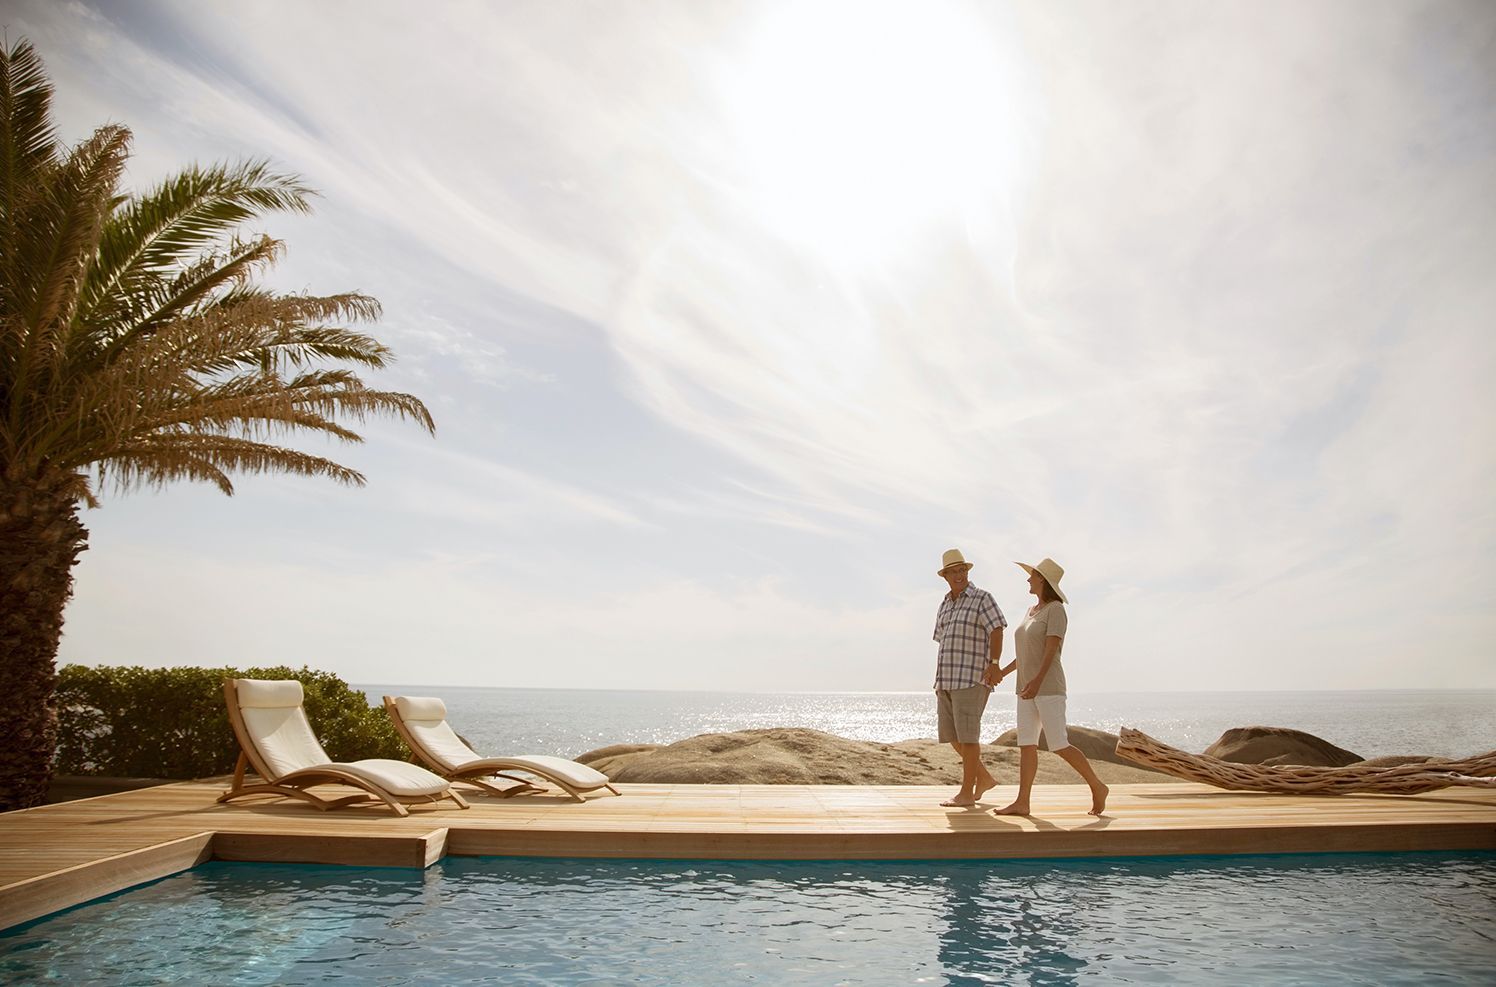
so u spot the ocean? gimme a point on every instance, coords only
(571, 721)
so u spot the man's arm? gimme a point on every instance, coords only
(995, 671)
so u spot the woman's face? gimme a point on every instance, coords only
(1035, 582)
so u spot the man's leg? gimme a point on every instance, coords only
(974, 772)
(968, 705)
(975, 778)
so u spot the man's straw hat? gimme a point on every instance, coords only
(1052, 573)
(952, 557)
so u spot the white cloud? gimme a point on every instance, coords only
(1223, 348)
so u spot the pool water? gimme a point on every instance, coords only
(1331, 919)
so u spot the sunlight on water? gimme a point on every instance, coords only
(1372, 724)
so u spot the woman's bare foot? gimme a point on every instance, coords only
(1098, 800)
(1016, 809)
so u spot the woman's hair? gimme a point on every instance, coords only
(1046, 591)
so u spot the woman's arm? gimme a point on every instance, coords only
(1051, 648)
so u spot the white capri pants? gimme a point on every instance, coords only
(1042, 711)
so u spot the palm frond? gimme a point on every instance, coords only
(256, 330)
(135, 345)
(59, 233)
(28, 141)
(64, 230)
(121, 315)
(156, 233)
(160, 459)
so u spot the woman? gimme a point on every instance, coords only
(1041, 688)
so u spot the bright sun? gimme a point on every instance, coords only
(865, 124)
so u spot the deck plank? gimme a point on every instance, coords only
(55, 856)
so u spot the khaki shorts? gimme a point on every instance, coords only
(960, 712)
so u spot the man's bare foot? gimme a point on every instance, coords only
(1016, 809)
(1098, 800)
(960, 802)
(985, 786)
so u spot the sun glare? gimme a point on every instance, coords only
(864, 124)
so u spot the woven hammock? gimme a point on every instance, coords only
(1404, 779)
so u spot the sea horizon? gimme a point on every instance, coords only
(570, 721)
(368, 686)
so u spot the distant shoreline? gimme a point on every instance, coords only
(368, 687)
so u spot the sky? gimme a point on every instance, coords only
(734, 316)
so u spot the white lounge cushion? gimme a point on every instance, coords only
(284, 738)
(575, 774)
(440, 742)
(396, 777)
(268, 693)
(420, 708)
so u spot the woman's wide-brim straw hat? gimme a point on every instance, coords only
(952, 559)
(1051, 571)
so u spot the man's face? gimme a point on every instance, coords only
(955, 576)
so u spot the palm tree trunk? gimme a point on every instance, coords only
(40, 540)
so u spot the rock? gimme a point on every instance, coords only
(613, 757)
(1279, 745)
(796, 756)
(1097, 745)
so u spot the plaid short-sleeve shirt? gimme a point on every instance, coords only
(963, 627)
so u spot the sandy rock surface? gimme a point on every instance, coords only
(797, 756)
(1279, 745)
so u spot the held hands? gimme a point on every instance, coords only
(993, 675)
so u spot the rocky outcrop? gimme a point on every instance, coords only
(796, 756)
(1279, 745)
(612, 759)
(1398, 760)
(1097, 745)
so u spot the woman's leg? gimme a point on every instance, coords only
(1028, 758)
(1028, 767)
(1077, 760)
(1052, 715)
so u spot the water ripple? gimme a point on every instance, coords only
(1315, 919)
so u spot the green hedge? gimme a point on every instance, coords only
(170, 722)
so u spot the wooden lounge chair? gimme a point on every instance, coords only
(422, 721)
(276, 740)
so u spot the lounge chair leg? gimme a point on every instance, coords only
(524, 788)
(286, 791)
(462, 803)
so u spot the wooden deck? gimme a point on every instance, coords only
(56, 856)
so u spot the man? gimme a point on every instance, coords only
(969, 628)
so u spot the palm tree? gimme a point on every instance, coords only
(135, 349)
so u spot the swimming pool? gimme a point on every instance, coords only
(1331, 919)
